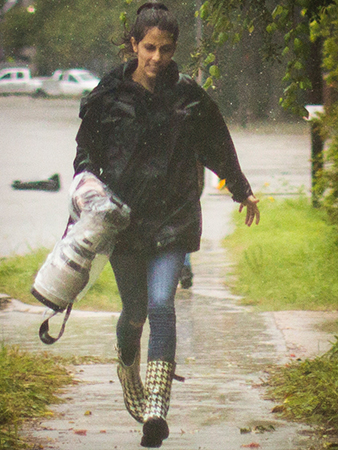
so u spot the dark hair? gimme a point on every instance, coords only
(150, 15)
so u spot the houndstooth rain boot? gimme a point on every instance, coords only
(158, 383)
(132, 386)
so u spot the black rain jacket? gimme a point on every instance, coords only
(145, 147)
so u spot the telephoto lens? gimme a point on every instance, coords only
(66, 271)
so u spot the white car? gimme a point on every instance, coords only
(74, 82)
(17, 80)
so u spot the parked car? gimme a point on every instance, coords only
(73, 82)
(18, 80)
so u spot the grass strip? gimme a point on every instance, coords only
(289, 261)
(17, 275)
(28, 384)
(308, 390)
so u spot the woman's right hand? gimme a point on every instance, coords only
(252, 210)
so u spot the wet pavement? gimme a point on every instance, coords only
(223, 347)
(223, 351)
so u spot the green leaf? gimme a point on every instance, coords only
(222, 38)
(277, 11)
(209, 59)
(297, 44)
(123, 17)
(208, 83)
(214, 71)
(204, 10)
(287, 36)
(298, 65)
(285, 51)
(271, 28)
(305, 84)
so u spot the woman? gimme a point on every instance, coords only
(143, 130)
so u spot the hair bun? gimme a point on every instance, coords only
(152, 5)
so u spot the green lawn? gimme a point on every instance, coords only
(17, 276)
(288, 261)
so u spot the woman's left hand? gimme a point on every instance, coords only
(252, 210)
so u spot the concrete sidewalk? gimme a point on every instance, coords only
(223, 351)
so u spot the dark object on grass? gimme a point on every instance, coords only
(51, 184)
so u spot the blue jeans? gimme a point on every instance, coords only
(187, 261)
(147, 285)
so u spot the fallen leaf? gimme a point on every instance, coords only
(81, 432)
(103, 431)
(88, 413)
(252, 445)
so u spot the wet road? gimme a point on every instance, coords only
(37, 139)
(223, 348)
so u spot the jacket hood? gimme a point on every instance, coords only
(123, 74)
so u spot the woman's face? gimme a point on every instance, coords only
(154, 52)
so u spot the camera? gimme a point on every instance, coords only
(97, 216)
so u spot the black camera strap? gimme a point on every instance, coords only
(45, 337)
